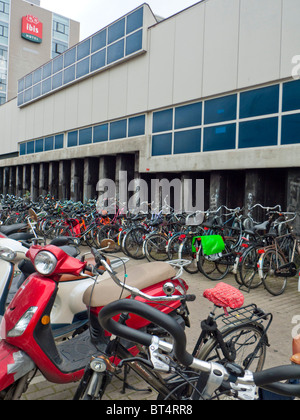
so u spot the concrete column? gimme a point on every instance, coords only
(44, 179)
(218, 185)
(12, 180)
(124, 163)
(34, 185)
(19, 181)
(90, 178)
(1, 180)
(293, 194)
(76, 180)
(53, 179)
(254, 192)
(26, 179)
(64, 179)
(6, 180)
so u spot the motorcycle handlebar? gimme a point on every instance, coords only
(152, 315)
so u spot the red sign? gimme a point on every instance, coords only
(32, 29)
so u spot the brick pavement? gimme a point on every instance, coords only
(285, 309)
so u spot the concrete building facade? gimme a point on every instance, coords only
(212, 92)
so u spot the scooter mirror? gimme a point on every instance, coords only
(32, 215)
(108, 245)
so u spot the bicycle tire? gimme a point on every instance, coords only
(248, 270)
(109, 232)
(212, 269)
(185, 252)
(155, 247)
(211, 350)
(133, 243)
(273, 259)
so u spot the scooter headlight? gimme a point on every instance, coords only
(7, 254)
(45, 263)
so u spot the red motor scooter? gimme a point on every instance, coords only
(27, 343)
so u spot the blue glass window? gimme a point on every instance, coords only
(136, 126)
(100, 133)
(46, 86)
(83, 49)
(98, 60)
(20, 85)
(47, 70)
(37, 76)
(291, 96)
(59, 141)
(39, 146)
(48, 143)
(219, 138)
(30, 147)
(20, 99)
(134, 20)
(69, 74)
(70, 57)
(118, 130)
(258, 133)
(162, 121)
(259, 102)
(134, 42)
(28, 95)
(220, 109)
(188, 116)
(290, 129)
(162, 144)
(116, 31)
(99, 41)
(115, 51)
(187, 141)
(36, 91)
(73, 138)
(82, 68)
(22, 149)
(58, 63)
(57, 80)
(85, 136)
(28, 81)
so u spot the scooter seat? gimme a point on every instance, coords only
(140, 276)
(9, 229)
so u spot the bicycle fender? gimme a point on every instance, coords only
(14, 364)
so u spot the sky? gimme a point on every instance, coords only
(94, 15)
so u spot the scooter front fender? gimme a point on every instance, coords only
(14, 364)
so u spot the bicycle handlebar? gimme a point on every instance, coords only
(152, 315)
(268, 379)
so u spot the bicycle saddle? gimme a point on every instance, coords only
(225, 296)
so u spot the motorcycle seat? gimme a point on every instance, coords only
(141, 276)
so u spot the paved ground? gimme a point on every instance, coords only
(285, 309)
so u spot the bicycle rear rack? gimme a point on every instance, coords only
(245, 315)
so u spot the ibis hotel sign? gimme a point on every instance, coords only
(32, 29)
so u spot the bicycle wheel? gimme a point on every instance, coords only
(174, 245)
(109, 232)
(155, 247)
(214, 267)
(133, 243)
(247, 342)
(247, 269)
(274, 284)
(186, 252)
